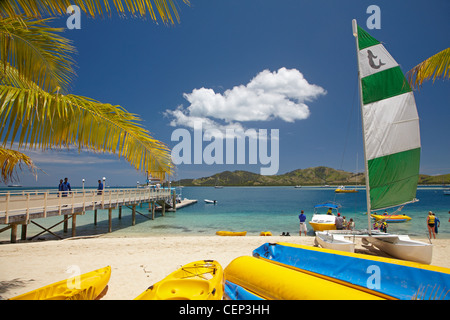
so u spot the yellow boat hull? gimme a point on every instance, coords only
(265, 233)
(199, 280)
(345, 191)
(322, 226)
(231, 233)
(391, 218)
(275, 282)
(88, 286)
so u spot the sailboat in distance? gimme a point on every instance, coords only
(391, 138)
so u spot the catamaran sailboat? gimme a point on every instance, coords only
(391, 149)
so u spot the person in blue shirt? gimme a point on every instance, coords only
(60, 187)
(100, 187)
(437, 223)
(66, 187)
(302, 219)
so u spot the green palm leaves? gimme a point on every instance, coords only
(166, 9)
(437, 66)
(36, 109)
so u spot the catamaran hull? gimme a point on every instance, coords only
(404, 248)
(334, 242)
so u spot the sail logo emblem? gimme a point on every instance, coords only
(372, 64)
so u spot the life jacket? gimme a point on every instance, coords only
(431, 219)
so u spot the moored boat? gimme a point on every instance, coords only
(324, 221)
(199, 280)
(343, 189)
(211, 201)
(391, 137)
(88, 286)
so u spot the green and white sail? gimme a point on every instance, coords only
(390, 125)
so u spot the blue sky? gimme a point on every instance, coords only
(221, 49)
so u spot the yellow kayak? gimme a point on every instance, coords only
(391, 217)
(265, 233)
(88, 286)
(199, 280)
(231, 233)
(274, 282)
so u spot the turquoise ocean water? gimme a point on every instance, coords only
(253, 209)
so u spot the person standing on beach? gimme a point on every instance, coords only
(437, 223)
(100, 187)
(431, 220)
(302, 219)
(66, 187)
(339, 222)
(351, 225)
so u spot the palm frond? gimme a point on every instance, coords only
(437, 66)
(166, 9)
(10, 160)
(38, 119)
(37, 52)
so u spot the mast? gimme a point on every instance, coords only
(366, 169)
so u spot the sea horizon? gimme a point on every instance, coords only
(262, 208)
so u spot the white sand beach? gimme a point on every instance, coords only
(136, 263)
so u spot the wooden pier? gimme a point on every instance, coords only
(23, 207)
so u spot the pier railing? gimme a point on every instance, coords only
(27, 204)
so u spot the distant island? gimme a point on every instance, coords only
(299, 177)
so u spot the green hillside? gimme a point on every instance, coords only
(303, 177)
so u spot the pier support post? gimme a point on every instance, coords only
(74, 225)
(153, 209)
(110, 220)
(13, 233)
(163, 207)
(24, 232)
(95, 217)
(174, 200)
(120, 212)
(65, 224)
(133, 215)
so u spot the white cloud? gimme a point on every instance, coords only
(270, 95)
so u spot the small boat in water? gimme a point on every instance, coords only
(199, 280)
(211, 201)
(324, 221)
(88, 286)
(343, 189)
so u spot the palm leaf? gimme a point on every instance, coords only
(37, 52)
(437, 66)
(10, 160)
(166, 9)
(38, 119)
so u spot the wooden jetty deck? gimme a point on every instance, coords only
(22, 207)
(183, 203)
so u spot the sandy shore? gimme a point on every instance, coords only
(136, 263)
